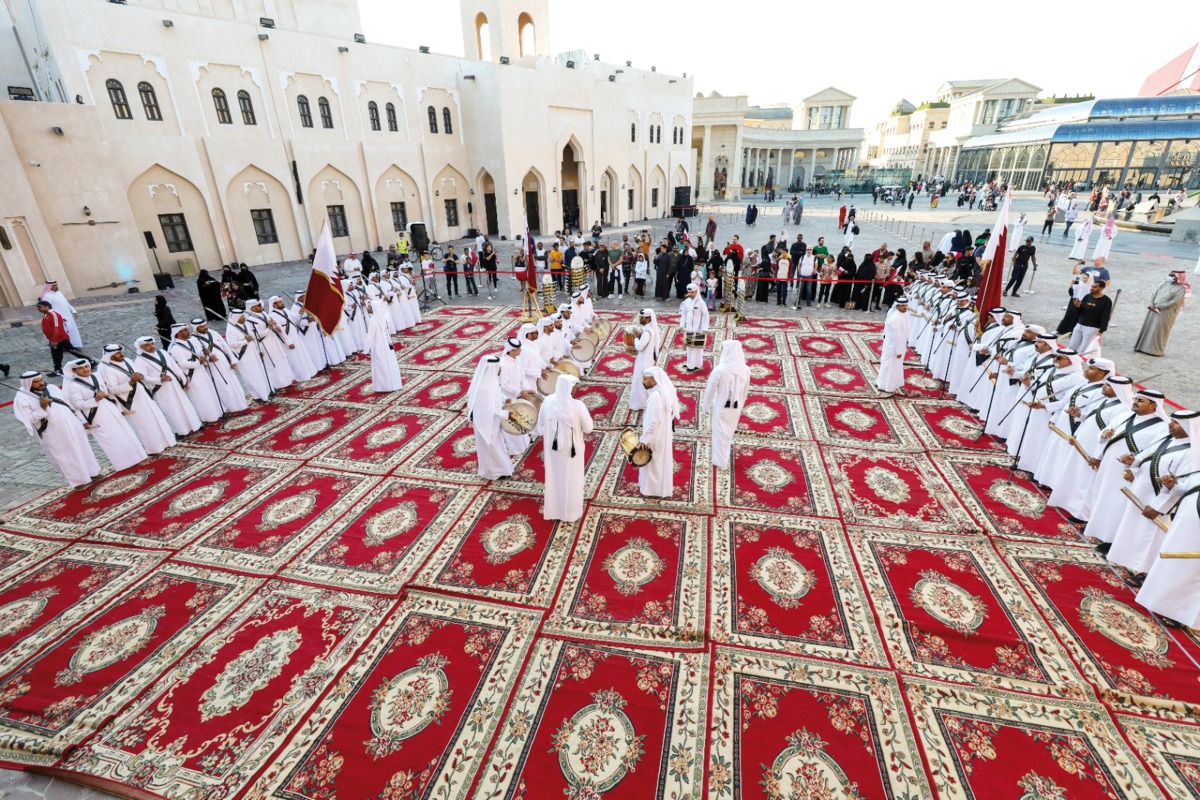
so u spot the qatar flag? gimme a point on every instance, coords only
(992, 280)
(323, 298)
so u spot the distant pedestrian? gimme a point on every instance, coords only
(1048, 225)
(209, 289)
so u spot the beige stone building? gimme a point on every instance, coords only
(926, 140)
(230, 131)
(742, 149)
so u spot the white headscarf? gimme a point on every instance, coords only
(732, 364)
(1123, 389)
(663, 383)
(484, 398)
(563, 412)
(653, 325)
(477, 379)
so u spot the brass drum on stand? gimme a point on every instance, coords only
(577, 274)
(638, 456)
(524, 416)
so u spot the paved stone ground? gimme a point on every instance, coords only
(1139, 261)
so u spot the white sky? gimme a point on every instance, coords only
(780, 51)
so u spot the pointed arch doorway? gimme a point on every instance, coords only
(571, 180)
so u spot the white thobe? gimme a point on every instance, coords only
(1138, 539)
(511, 379)
(656, 478)
(309, 336)
(108, 425)
(60, 435)
(147, 420)
(379, 306)
(385, 370)
(1073, 488)
(229, 388)
(1107, 502)
(408, 293)
(169, 394)
(199, 378)
(1058, 451)
(961, 355)
(644, 360)
(254, 370)
(693, 318)
(564, 456)
(271, 345)
(891, 357)
(1031, 432)
(1172, 585)
(294, 349)
(723, 400)
(1082, 234)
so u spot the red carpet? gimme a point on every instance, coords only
(320, 600)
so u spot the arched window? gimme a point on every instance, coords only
(633, 131)
(391, 117)
(247, 107)
(116, 96)
(432, 119)
(149, 102)
(305, 111)
(373, 114)
(446, 126)
(221, 103)
(660, 134)
(326, 112)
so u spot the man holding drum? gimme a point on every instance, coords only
(693, 321)
(645, 349)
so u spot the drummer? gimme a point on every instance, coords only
(589, 313)
(560, 341)
(546, 340)
(531, 356)
(512, 378)
(693, 321)
(646, 348)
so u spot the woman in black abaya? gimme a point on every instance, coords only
(209, 289)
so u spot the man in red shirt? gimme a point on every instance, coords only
(736, 250)
(54, 327)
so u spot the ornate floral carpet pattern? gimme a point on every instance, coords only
(320, 600)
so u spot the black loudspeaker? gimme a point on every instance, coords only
(683, 195)
(150, 239)
(163, 281)
(418, 237)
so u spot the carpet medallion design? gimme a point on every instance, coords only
(320, 599)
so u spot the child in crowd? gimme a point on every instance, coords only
(825, 280)
(711, 283)
(641, 271)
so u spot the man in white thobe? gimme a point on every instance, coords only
(223, 363)
(141, 412)
(1073, 488)
(895, 344)
(1072, 410)
(1172, 585)
(512, 379)
(656, 479)
(546, 340)
(646, 347)
(197, 374)
(724, 398)
(308, 333)
(485, 408)
(272, 345)
(59, 302)
(565, 421)
(101, 416)
(531, 358)
(1152, 478)
(164, 379)
(1049, 395)
(294, 349)
(44, 412)
(693, 318)
(1121, 447)
(385, 370)
(245, 351)
(408, 294)
(377, 294)
(1024, 370)
(980, 359)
